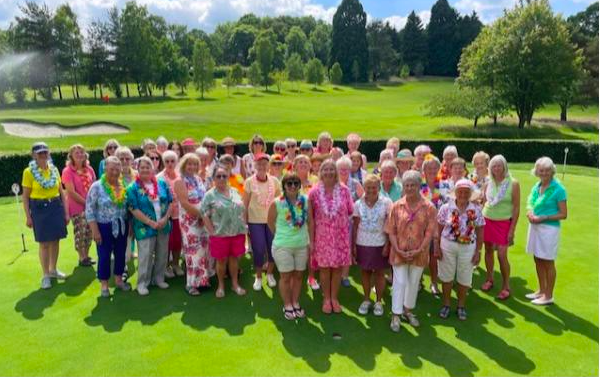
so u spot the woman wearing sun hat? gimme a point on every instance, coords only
(461, 237)
(229, 146)
(404, 162)
(46, 209)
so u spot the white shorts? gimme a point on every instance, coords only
(456, 262)
(542, 241)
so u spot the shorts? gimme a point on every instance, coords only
(456, 262)
(223, 247)
(496, 231)
(288, 259)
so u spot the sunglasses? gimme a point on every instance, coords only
(125, 159)
(258, 142)
(155, 158)
(111, 147)
(291, 145)
(280, 149)
(210, 146)
(277, 163)
(293, 184)
(221, 176)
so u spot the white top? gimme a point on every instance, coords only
(372, 221)
(155, 202)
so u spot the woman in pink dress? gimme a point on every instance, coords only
(330, 208)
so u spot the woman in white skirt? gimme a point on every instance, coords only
(546, 206)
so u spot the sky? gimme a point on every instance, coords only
(206, 14)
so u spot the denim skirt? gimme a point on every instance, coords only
(48, 216)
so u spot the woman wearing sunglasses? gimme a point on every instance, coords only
(288, 219)
(110, 148)
(255, 146)
(211, 146)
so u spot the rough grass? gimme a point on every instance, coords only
(69, 331)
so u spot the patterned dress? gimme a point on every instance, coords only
(199, 263)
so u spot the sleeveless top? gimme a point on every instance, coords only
(503, 209)
(287, 235)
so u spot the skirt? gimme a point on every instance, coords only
(175, 236)
(48, 218)
(371, 258)
(496, 231)
(542, 241)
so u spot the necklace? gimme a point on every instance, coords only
(39, 177)
(433, 195)
(195, 188)
(330, 211)
(463, 238)
(152, 195)
(117, 199)
(292, 214)
(494, 200)
(411, 213)
(262, 199)
(536, 200)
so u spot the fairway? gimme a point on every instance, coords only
(375, 111)
(68, 330)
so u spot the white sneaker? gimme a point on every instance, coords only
(378, 309)
(533, 296)
(363, 309)
(178, 270)
(46, 282)
(162, 285)
(142, 291)
(169, 273)
(395, 324)
(543, 301)
(271, 281)
(412, 319)
(257, 286)
(58, 275)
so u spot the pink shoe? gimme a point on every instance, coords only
(335, 305)
(326, 307)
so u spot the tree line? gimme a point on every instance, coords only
(132, 51)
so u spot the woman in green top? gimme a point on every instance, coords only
(287, 219)
(546, 206)
(501, 200)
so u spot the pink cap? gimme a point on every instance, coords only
(261, 156)
(188, 141)
(463, 183)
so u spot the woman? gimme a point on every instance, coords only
(176, 147)
(430, 190)
(546, 207)
(316, 160)
(393, 144)
(330, 207)
(106, 214)
(324, 143)
(390, 187)
(460, 236)
(336, 153)
(188, 145)
(211, 146)
(279, 147)
(223, 213)
(149, 201)
(128, 174)
(276, 165)
(458, 171)
(479, 176)
(256, 145)
(306, 148)
(236, 181)
(203, 157)
(190, 192)
(46, 209)
(228, 146)
(353, 143)
(420, 152)
(157, 162)
(357, 172)
(410, 226)
(287, 219)
(170, 175)
(385, 155)
(344, 165)
(370, 245)
(291, 151)
(162, 145)
(502, 195)
(302, 169)
(259, 191)
(110, 147)
(404, 161)
(449, 154)
(77, 178)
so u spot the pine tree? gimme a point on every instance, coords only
(349, 39)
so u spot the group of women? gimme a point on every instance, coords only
(304, 207)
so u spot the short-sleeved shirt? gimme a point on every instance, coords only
(547, 203)
(82, 181)
(171, 183)
(138, 199)
(37, 191)
(100, 208)
(447, 215)
(372, 221)
(286, 233)
(261, 196)
(225, 213)
(395, 192)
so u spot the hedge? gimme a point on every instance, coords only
(580, 153)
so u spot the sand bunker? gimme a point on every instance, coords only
(32, 130)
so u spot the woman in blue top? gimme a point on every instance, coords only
(149, 200)
(546, 206)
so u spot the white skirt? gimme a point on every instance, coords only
(542, 241)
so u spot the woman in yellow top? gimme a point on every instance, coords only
(46, 209)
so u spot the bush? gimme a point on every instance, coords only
(404, 72)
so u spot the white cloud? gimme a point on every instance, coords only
(397, 22)
(487, 11)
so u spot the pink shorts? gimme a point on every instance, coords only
(496, 231)
(222, 247)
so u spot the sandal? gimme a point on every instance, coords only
(326, 308)
(289, 314)
(335, 305)
(299, 312)
(487, 285)
(504, 294)
(220, 293)
(192, 291)
(239, 290)
(445, 312)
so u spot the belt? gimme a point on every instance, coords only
(45, 200)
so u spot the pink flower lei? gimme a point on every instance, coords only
(336, 203)
(263, 200)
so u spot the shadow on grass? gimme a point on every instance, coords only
(206, 99)
(574, 125)
(318, 90)
(372, 87)
(33, 306)
(505, 131)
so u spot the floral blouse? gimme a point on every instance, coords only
(138, 199)
(225, 213)
(372, 221)
(100, 208)
(411, 229)
(460, 226)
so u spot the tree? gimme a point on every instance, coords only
(349, 40)
(336, 74)
(166, 64)
(443, 48)
(240, 42)
(97, 68)
(320, 39)
(181, 73)
(404, 72)
(314, 72)
(67, 48)
(278, 78)
(383, 59)
(264, 51)
(355, 71)
(414, 43)
(228, 81)
(464, 103)
(254, 75)
(294, 68)
(584, 34)
(237, 74)
(204, 66)
(521, 58)
(297, 43)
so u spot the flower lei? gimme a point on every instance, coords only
(330, 212)
(86, 179)
(152, 195)
(117, 199)
(197, 189)
(535, 200)
(470, 223)
(292, 213)
(494, 200)
(435, 197)
(263, 200)
(39, 177)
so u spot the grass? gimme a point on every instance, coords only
(394, 109)
(68, 330)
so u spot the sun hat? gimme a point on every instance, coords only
(228, 142)
(276, 158)
(464, 183)
(404, 155)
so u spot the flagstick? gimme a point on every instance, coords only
(565, 162)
